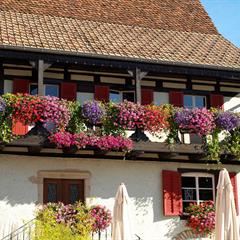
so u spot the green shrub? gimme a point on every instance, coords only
(59, 222)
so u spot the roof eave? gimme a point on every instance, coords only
(120, 58)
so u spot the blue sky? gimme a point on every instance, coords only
(226, 17)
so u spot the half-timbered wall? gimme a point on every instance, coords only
(161, 84)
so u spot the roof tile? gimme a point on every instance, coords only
(110, 39)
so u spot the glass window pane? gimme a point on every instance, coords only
(188, 182)
(33, 89)
(205, 182)
(74, 193)
(188, 101)
(189, 194)
(205, 194)
(115, 96)
(52, 192)
(51, 90)
(200, 101)
(129, 96)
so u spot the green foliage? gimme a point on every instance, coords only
(109, 128)
(6, 119)
(173, 126)
(212, 146)
(59, 222)
(231, 143)
(48, 231)
(76, 123)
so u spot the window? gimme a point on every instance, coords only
(115, 96)
(197, 188)
(84, 97)
(67, 191)
(192, 101)
(33, 89)
(49, 90)
(120, 96)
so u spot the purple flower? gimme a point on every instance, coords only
(2, 105)
(197, 120)
(93, 111)
(183, 117)
(227, 120)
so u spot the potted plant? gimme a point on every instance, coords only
(201, 218)
(196, 120)
(101, 219)
(93, 112)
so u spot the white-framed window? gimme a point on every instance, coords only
(49, 89)
(197, 188)
(194, 101)
(120, 96)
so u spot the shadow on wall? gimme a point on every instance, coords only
(13, 216)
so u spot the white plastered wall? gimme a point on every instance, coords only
(232, 103)
(19, 188)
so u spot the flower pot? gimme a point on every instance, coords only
(69, 150)
(139, 135)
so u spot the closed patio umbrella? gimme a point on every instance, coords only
(122, 223)
(226, 218)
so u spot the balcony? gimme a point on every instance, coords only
(49, 125)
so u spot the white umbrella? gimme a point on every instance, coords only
(122, 224)
(226, 218)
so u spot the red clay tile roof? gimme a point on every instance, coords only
(176, 15)
(81, 37)
(73, 35)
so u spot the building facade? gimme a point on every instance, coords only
(147, 52)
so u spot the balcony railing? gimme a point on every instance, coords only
(101, 126)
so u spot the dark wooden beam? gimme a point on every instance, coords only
(128, 64)
(1, 78)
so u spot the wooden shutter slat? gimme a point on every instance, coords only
(20, 86)
(216, 101)
(172, 193)
(146, 96)
(176, 98)
(233, 177)
(68, 91)
(101, 93)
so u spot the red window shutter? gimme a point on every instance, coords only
(69, 91)
(176, 99)
(101, 93)
(146, 96)
(19, 129)
(216, 100)
(172, 193)
(20, 86)
(233, 177)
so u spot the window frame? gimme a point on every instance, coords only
(44, 87)
(193, 96)
(197, 175)
(62, 194)
(121, 94)
(61, 174)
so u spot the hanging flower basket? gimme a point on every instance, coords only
(197, 120)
